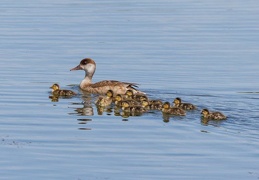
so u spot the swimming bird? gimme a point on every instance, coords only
(133, 109)
(118, 87)
(212, 115)
(137, 96)
(186, 106)
(152, 104)
(172, 110)
(105, 100)
(56, 91)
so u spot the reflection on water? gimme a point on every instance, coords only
(216, 123)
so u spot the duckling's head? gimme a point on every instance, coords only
(177, 101)
(55, 87)
(205, 112)
(125, 104)
(166, 105)
(129, 93)
(143, 98)
(109, 93)
(144, 103)
(118, 97)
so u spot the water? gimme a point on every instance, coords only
(202, 51)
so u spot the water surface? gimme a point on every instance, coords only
(204, 52)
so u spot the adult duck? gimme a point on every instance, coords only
(118, 87)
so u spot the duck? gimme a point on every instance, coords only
(213, 115)
(167, 109)
(105, 100)
(56, 91)
(118, 87)
(185, 106)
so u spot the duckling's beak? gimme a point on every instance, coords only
(76, 68)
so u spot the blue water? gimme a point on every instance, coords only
(202, 51)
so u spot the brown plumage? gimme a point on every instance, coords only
(212, 115)
(118, 87)
(58, 92)
(172, 110)
(186, 106)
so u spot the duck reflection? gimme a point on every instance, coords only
(87, 109)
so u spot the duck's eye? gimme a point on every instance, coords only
(83, 62)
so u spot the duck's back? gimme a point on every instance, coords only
(102, 87)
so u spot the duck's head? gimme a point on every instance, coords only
(54, 87)
(205, 112)
(166, 105)
(177, 101)
(109, 93)
(87, 64)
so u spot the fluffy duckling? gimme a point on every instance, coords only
(172, 110)
(128, 107)
(118, 98)
(105, 100)
(212, 115)
(155, 104)
(56, 91)
(152, 104)
(186, 106)
(137, 96)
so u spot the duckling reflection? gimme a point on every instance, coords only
(56, 91)
(185, 106)
(54, 98)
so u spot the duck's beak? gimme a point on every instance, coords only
(76, 68)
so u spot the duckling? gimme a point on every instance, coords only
(118, 98)
(156, 104)
(137, 96)
(130, 102)
(58, 92)
(152, 104)
(145, 104)
(140, 97)
(127, 107)
(186, 106)
(212, 115)
(172, 110)
(129, 94)
(105, 100)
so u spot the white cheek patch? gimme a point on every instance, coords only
(90, 68)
